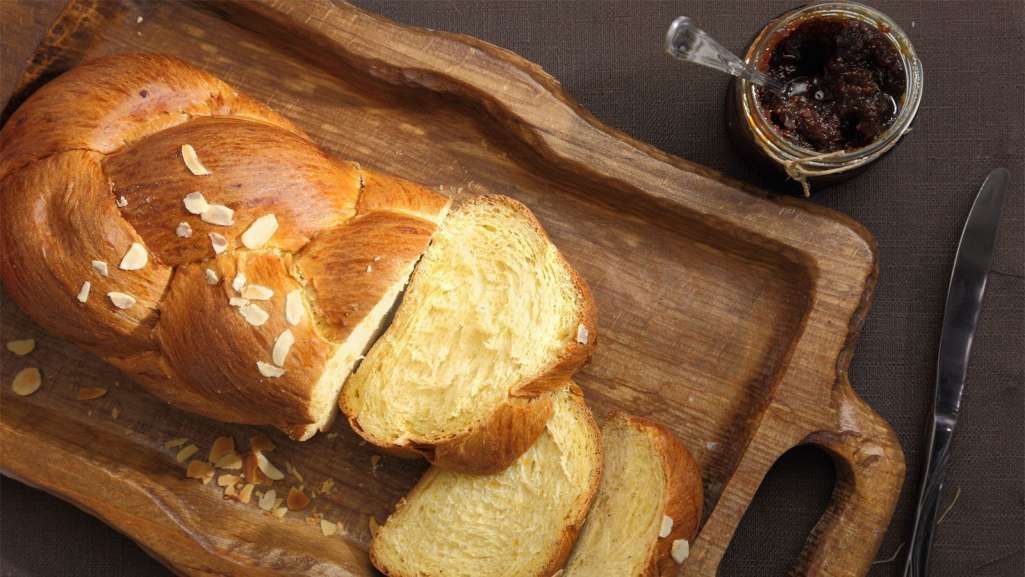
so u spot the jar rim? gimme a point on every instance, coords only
(782, 149)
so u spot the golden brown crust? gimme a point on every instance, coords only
(683, 493)
(92, 163)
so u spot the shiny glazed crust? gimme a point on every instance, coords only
(93, 162)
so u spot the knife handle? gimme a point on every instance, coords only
(928, 502)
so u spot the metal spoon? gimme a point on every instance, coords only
(685, 41)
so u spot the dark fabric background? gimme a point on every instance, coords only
(608, 56)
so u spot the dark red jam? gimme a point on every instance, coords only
(844, 81)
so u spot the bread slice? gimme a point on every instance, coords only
(650, 498)
(520, 522)
(493, 318)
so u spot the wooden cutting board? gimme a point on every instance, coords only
(725, 315)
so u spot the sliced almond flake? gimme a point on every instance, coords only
(83, 293)
(261, 443)
(268, 370)
(183, 230)
(294, 308)
(666, 528)
(260, 231)
(326, 486)
(327, 528)
(254, 315)
(101, 267)
(227, 480)
(267, 500)
(282, 345)
(582, 334)
(294, 472)
(192, 161)
(680, 550)
(200, 470)
(257, 292)
(246, 494)
(222, 446)
(297, 500)
(279, 502)
(121, 202)
(185, 453)
(90, 393)
(120, 300)
(238, 301)
(268, 468)
(27, 381)
(212, 277)
(135, 259)
(195, 203)
(231, 461)
(218, 214)
(218, 242)
(175, 443)
(21, 347)
(280, 512)
(251, 470)
(239, 282)
(230, 492)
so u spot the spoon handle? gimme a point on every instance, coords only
(685, 41)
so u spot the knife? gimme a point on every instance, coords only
(960, 317)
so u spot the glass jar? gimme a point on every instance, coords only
(758, 138)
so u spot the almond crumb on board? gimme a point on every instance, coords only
(21, 347)
(177, 442)
(121, 202)
(261, 443)
(195, 203)
(231, 461)
(326, 486)
(135, 258)
(27, 381)
(101, 267)
(280, 512)
(192, 161)
(230, 492)
(666, 528)
(297, 500)
(222, 446)
(227, 480)
(332, 435)
(90, 393)
(260, 231)
(83, 293)
(294, 472)
(246, 494)
(268, 468)
(267, 500)
(328, 528)
(200, 470)
(186, 452)
(680, 550)
(115, 412)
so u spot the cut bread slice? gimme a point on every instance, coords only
(520, 522)
(493, 318)
(648, 506)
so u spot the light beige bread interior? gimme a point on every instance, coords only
(520, 522)
(492, 319)
(95, 165)
(649, 502)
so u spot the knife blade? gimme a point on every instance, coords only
(960, 318)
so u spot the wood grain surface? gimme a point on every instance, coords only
(726, 316)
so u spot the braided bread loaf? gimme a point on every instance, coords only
(199, 241)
